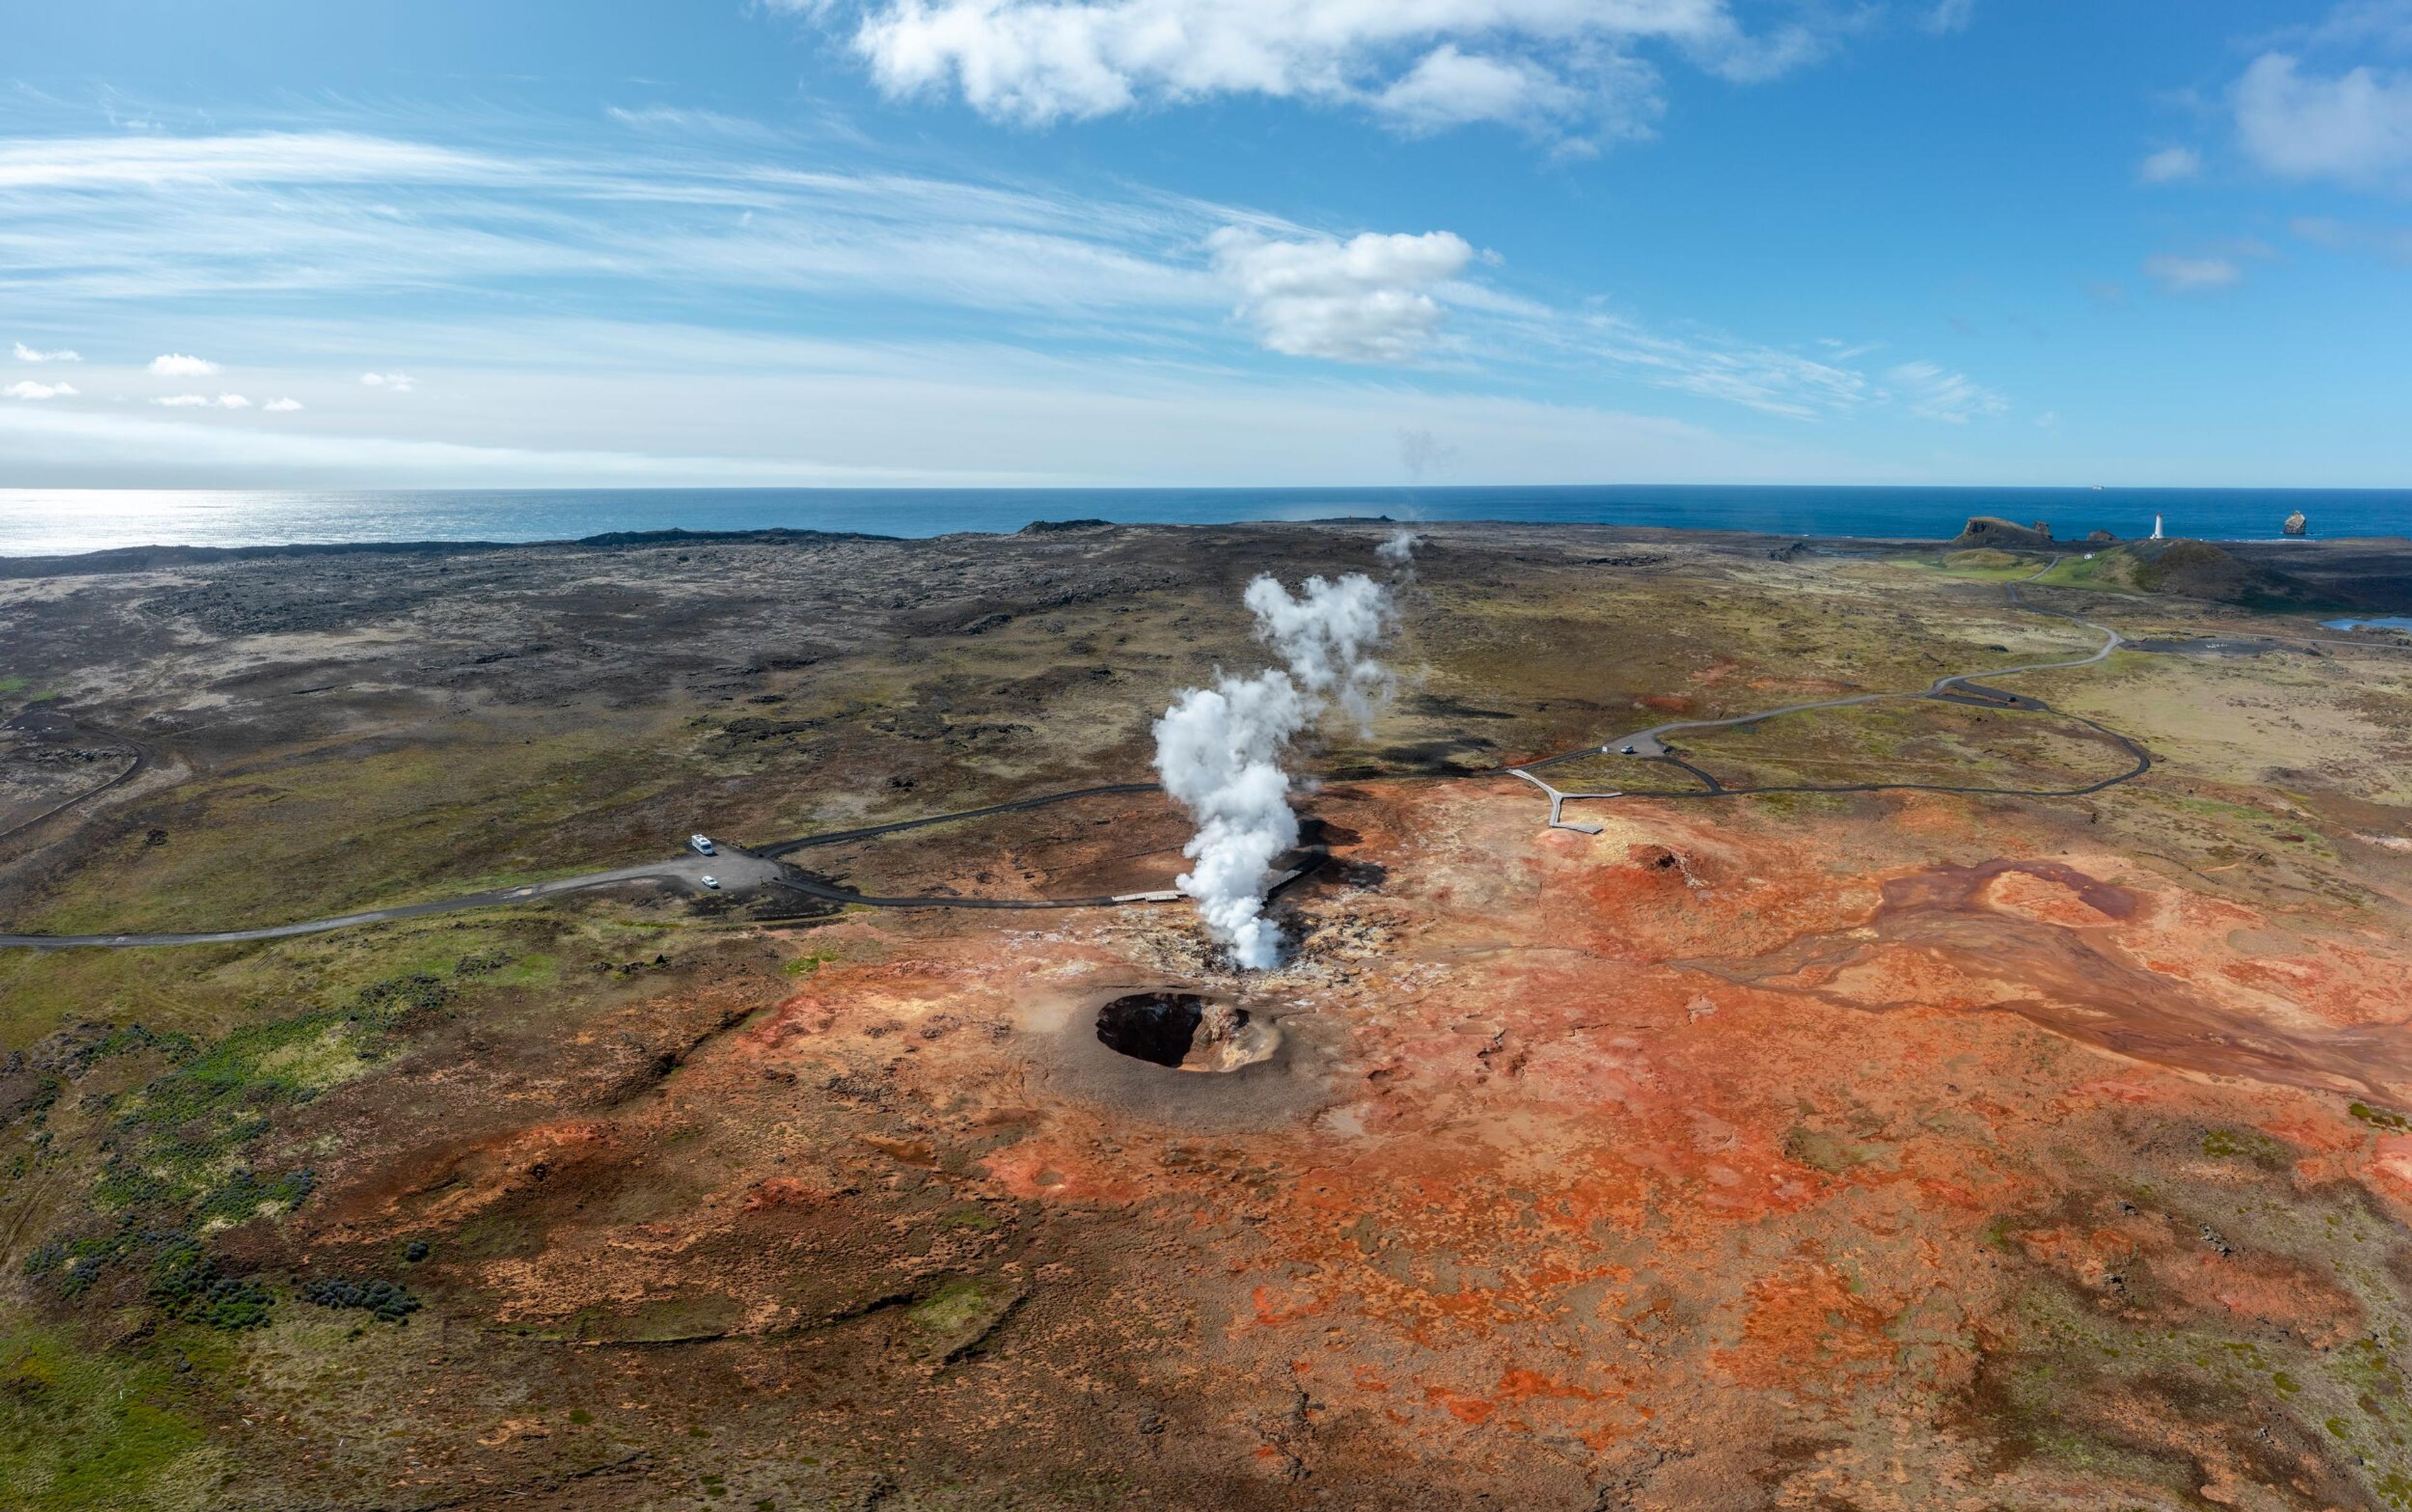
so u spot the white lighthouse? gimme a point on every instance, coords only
(2156, 527)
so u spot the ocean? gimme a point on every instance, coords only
(60, 521)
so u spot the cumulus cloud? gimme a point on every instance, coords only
(282, 406)
(1368, 299)
(204, 401)
(2193, 276)
(1449, 88)
(28, 354)
(178, 365)
(2171, 164)
(29, 390)
(1935, 392)
(400, 383)
(1424, 64)
(2355, 127)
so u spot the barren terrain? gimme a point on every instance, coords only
(1873, 1147)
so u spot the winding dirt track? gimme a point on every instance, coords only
(1960, 687)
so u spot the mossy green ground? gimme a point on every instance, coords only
(83, 1430)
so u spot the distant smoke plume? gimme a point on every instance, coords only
(1219, 750)
(1399, 552)
(1423, 451)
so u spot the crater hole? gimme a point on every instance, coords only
(1156, 1027)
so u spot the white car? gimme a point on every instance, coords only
(700, 844)
(710, 881)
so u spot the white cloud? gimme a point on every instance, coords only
(682, 118)
(40, 391)
(203, 401)
(1038, 282)
(1019, 421)
(1424, 63)
(2359, 23)
(400, 383)
(1367, 299)
(2392, 243)
(1449, 88)
(178, 365)
(282, 406)
(1934, 392)
(158, 162)
(2193, 276)
(2355, 127)
(28, 354)
(2171, 164)
(1950, 16)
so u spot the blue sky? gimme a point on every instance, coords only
(265, 242)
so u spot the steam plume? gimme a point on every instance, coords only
(1219, 750)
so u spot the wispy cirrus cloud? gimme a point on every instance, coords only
(163, 162)
(1934, 392)
(299, 252)
(2193, 276)
(2392, 243)
(202, 402)
(312, 218)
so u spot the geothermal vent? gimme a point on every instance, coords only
(1184, 1031)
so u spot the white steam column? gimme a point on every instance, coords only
(1219, 750)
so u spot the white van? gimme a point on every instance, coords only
(702, 844)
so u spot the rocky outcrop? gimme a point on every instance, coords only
(1988, 530)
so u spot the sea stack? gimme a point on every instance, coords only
(2295, 524)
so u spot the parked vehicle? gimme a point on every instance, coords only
(702, 844)
(709, 881)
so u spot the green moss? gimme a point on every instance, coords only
(83, 1430)
(951, 1307)
(2246, 1144)
(2379, 1117)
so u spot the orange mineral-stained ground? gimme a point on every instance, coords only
(1906, 1155)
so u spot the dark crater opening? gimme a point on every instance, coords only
(1156, 1027)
